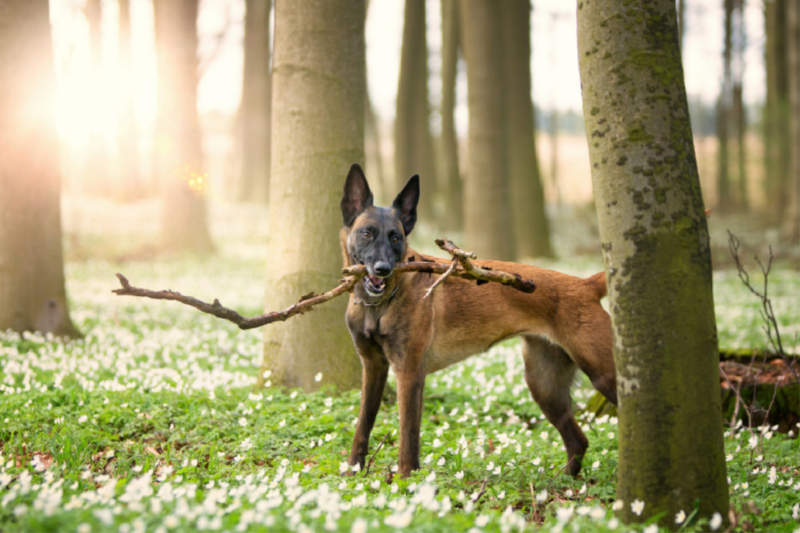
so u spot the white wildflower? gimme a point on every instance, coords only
(715, 522)
(637, 507)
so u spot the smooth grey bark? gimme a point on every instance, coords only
(319, 82)
(452, 187)
(256, 104)
(132, 186)
(95, 176)
(413, 143)
(178, 148)
(657, 260)
(724, 108)
(487, 217)
(529, 218)
(791, 227)
(738, 111)
(32, 292)
(777, 147)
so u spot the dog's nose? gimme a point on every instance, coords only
(383, 269)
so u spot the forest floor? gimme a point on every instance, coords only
(150, 423)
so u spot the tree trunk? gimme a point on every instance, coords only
(791, 227)
(179, 157)
(413, 143)
(487, 217)
(318, 119)
(554, 154)
(32, 293)
(451, 180)
(256, 104)
(529, 219)
(738, 111)
(372, 141)
(776, 112)
(132, 186)
(657, 259)
(681, 22)
(95, 175)
(724, 104)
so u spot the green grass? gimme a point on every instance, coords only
(150, 424)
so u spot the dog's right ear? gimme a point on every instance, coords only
(357, 196)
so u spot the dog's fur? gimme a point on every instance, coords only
(562, 324)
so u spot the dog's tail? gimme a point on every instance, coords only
(598, 283)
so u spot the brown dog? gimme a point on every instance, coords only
(562, 324)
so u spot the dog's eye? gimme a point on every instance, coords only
(365, 234)
(395, 239)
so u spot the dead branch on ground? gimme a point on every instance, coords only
(465, 269)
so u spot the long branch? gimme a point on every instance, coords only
(304, 305)
(352, 275)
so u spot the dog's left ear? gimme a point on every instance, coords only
(357, 196)
(406, 204)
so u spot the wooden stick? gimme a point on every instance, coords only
(461, 267)
(304, 305)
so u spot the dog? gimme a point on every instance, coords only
(562, 324)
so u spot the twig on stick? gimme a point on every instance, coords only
(441, 278)
(472, 271)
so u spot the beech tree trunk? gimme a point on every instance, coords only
(32, 293)
(529, 219)
(738, 111)
(132, 186)
(95, 176)
(791, 227)
(179, 156)
(657, 260)
(724, 105)
(487, 217)
(451, 180)
(318, 132)
(256, 103)
(413, 143)
(777, 109)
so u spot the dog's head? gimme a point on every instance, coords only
(376, 236)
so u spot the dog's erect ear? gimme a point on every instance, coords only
(406, 204)
(357, 195)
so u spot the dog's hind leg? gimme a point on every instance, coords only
(549, 373)
(375, 372)
(592, 348)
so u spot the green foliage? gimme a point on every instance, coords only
(150, 424)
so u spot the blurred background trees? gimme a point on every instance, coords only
(163, 113)
(122, 87)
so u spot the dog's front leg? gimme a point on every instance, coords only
(375, 371)
(410, 386)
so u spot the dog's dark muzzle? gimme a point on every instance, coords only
(375, 280)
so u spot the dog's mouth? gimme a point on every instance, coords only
(375, 285)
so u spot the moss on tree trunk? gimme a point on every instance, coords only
(318, 132)
(657, 259)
